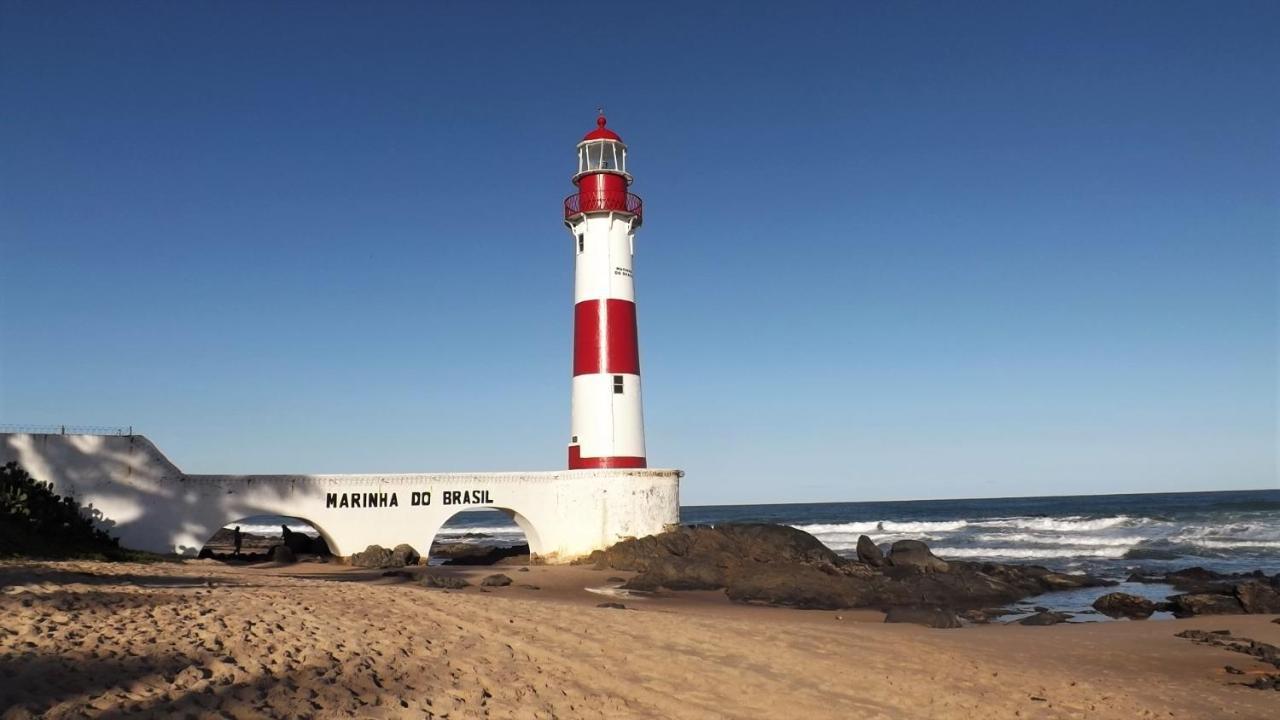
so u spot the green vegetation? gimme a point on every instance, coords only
(35, 522)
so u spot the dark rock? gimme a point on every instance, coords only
(403, 555)
(984, 615)
(204, 554)
(915, 554)
(1045, 618)
(1256, 597)
(523, 569)
(498, 580)
(374, 556)
(470, 554)
(680, 573)
(1232, 670)
(448, 582)
(615, 579)
(869, 553)
(531, 587)
(779, 565)
(923, 616)
(797, 586)
(1040, 609)
(1191, 604)
(1118, 605)
(282, 554)
(612, 605)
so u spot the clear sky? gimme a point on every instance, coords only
(891, 250)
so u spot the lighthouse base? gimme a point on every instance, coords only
(143, 499)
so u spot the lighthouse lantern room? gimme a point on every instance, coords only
(607, 426)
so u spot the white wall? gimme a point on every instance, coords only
(150, 504)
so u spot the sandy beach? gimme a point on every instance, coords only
(206, 639)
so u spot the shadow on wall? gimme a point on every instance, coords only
(140, 511)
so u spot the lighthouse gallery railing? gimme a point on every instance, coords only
(603, 201)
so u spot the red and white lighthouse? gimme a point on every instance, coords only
(607, 429)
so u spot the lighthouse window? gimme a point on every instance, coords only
(581, 243)
(617, 384)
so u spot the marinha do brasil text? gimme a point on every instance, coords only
(377, 500)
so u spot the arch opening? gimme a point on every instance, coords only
(259, 535)
(484, 536)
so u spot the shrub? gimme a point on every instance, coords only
(36, 522)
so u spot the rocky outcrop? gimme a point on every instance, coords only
(282, 554)
(1256, 597)
(1124, 605)
(1191, 604)
(446, 582)
(1212, 593)
(916, 555)
(869, 553)
(1045, 617)
(928, 617)
(462, 553)
(403, 555)
(498, 580)
(780, 565)
(376, 556)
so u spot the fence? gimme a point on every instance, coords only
(67, 429)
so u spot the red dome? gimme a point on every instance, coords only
(601, 132)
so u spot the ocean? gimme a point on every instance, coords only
(1106, 535)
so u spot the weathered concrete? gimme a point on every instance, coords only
(146, 501)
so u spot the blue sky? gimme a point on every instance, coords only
(891, 250)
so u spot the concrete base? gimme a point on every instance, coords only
(142, 498)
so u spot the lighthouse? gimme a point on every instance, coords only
(607, 426)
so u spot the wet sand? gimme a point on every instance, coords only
(207, 639)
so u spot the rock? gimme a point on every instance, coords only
(612, 605)
(779, 565)
(923, 616)
(282, 554)
(1118, 604)
(869, 553)
(1257, 598)
(498, 580)
(448, 582)
(915, 554)
(402, 555)
(1191, 604)
(615, 579)
(471, 554)
(374, 556)
(797, 586)
(299, 543)
(1045, 618)
(984, 615)
(204, 554)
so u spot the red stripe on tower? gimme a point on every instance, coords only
(577, 462)
(604, 337)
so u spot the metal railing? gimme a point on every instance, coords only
(67, 429)
(604, 201)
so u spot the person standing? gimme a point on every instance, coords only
(238, 538)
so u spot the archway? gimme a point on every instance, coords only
(484, 536)
(260, 533)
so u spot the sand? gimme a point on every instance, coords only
(206, 639)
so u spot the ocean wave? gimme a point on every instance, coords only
(1064, 524)
(1231, 544)
(1029, 553)
(487, 530)
(884, 526)
(1072, 540)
